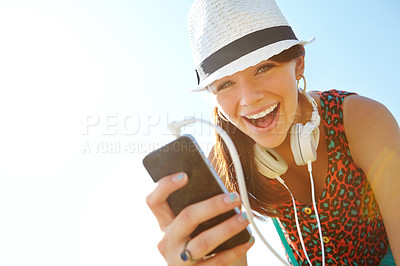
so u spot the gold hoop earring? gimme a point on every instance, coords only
(302, 90)
(221, 115)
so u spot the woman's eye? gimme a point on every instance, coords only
(264, 68)
(224, 85)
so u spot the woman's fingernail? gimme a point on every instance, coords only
(231, 197)
(251, 240)
(242, 217)
(179, 177)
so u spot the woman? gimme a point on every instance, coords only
(247, 56)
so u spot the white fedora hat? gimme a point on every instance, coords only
(227, 36)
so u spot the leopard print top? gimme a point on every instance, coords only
(352, 226)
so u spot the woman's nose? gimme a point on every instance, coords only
(250, 93)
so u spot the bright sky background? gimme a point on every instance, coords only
(87, 89)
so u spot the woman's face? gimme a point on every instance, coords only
(261, 100)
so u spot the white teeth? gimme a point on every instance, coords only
(263, 113)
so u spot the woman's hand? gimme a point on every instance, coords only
(177, 229)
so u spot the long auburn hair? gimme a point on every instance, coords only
(264, 196)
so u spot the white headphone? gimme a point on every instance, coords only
(304, 141)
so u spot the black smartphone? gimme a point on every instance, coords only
(185, 155)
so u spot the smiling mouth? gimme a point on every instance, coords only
(265, 118)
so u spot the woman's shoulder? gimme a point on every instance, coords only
(369, 127)
(362, 114)
(355, 107)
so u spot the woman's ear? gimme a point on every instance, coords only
(300, 64)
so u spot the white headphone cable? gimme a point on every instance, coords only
(175, 129)
(297, 219)
(316, 212)
(316, 215)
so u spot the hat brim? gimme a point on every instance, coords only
(248, 60)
